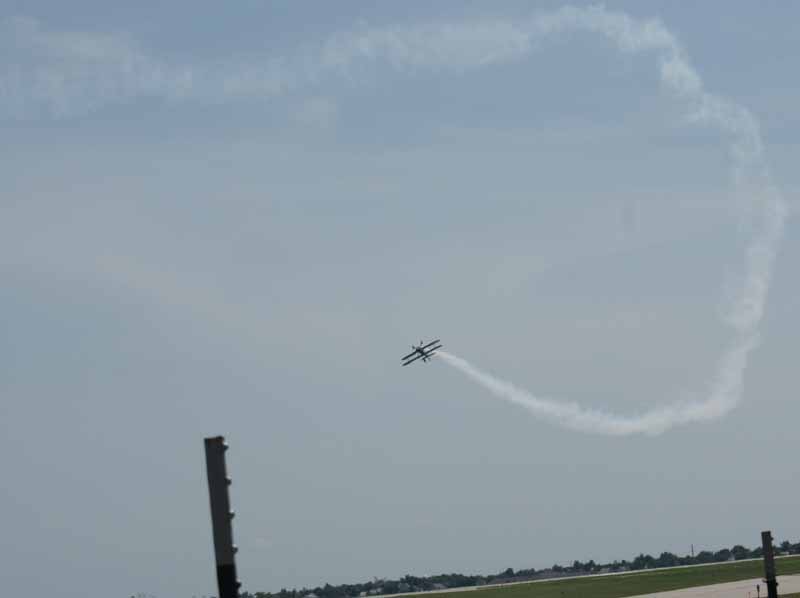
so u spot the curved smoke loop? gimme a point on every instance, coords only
(751, 177)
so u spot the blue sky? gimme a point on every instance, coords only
(210, 226)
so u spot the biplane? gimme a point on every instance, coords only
(423, 352)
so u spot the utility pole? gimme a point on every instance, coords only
(221, 515)
(769, 565)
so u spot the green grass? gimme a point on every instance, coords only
(618, 586)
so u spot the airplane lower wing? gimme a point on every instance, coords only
(427, 355)
(413, 360)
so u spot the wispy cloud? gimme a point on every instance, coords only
(62, 73)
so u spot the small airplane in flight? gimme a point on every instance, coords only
(424, 352)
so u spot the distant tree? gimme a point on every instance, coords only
(740, 552)
(722, 555)
(704, 556)
(390, 587)
(667, 559)
(643, 561)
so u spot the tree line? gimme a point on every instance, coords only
(411, 583)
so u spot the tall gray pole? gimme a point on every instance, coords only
(769, 565)
(221, 515)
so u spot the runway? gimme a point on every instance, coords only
(787, 584)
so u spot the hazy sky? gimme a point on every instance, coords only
(235, 219)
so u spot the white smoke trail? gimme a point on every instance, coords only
(576, 417)
(68, 73)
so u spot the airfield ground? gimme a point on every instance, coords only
(648, 583)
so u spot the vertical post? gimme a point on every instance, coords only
(769, 565)
(221, 515)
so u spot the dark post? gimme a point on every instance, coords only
(769, 565)
(221, 515)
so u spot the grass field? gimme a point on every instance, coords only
(618, 586)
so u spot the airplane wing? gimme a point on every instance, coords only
(432, 349)
(431, 344)
(414, 352)
(413, 360)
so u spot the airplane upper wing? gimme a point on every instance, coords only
(430, 344)
(414, 352)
